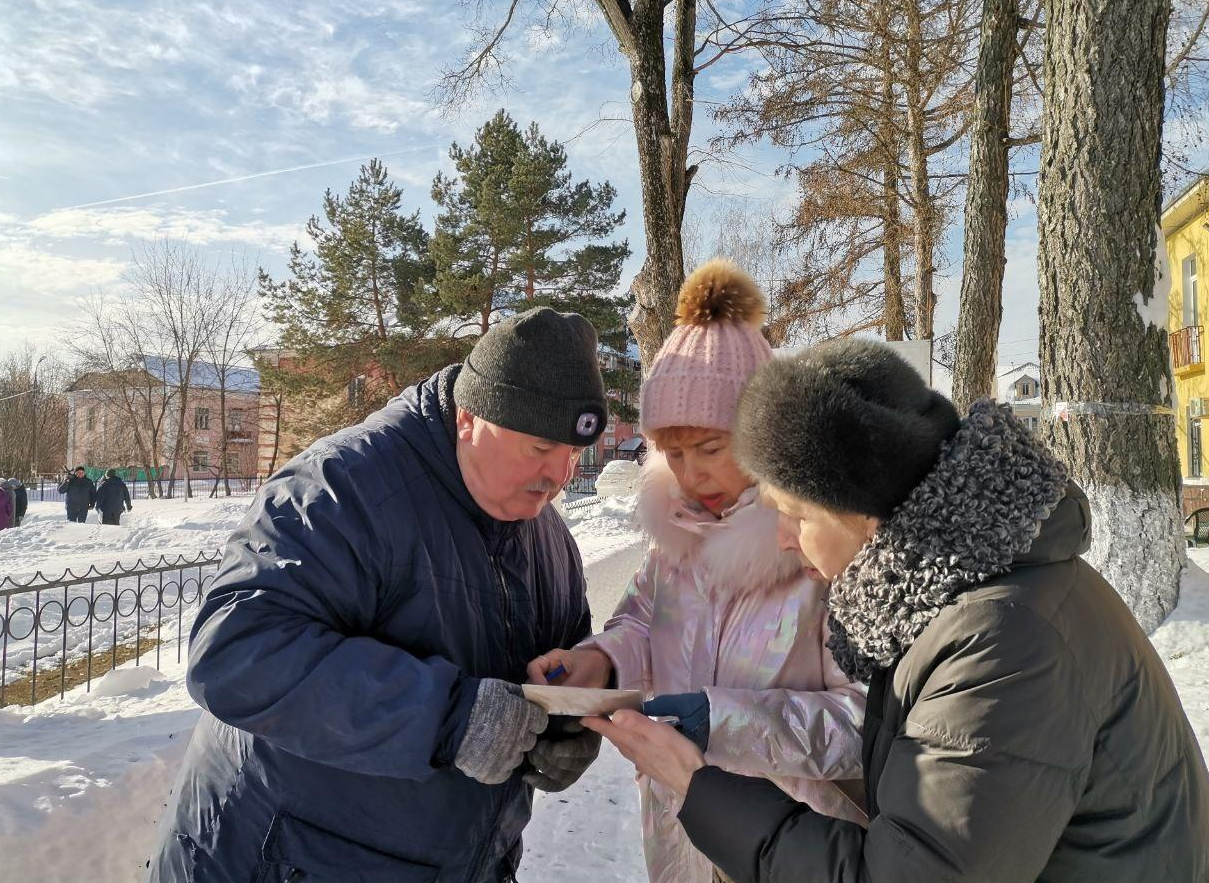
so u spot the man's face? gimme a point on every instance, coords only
(79, 473)
(512, 476)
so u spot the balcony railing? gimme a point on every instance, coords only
(1186, 346)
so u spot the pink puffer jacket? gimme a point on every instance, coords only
(717, 606)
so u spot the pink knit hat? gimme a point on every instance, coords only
(711, 354)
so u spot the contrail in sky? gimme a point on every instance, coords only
(316, 165)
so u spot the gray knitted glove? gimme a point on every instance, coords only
(503, 726)
(558, 765)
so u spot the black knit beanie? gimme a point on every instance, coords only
(847, 424)
(537, 373)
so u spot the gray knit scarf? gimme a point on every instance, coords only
(979, 507)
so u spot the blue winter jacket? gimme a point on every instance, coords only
(338, 653)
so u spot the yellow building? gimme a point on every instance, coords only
(1186, 235)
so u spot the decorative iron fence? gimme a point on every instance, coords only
(74, 627)
(582, 484)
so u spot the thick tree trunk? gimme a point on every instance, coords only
(1102, 364)
(662, 137)
(921, 195)
(981, 305)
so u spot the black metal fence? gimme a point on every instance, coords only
(59, 632)
(582, 484)
(46, 488)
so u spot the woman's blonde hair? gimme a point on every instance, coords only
(672, 436)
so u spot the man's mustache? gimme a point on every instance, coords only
(545, 486)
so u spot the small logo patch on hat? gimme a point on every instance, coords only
(587, 424)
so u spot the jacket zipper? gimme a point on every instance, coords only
(481, 853)
(506, 611)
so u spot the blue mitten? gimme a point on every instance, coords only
(692, 710)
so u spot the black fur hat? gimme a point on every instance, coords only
(847, 424)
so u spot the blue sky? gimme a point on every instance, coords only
(104, 101)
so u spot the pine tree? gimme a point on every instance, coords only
(516, 231)
(362, 303)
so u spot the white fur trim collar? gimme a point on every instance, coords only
(735, 554)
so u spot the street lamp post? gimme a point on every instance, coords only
(33, 408)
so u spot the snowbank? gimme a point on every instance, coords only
(1183, 643)
(84, 781)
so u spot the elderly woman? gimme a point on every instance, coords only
(1019, 724)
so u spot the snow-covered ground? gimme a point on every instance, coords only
(46, 541)
(47, 546)
(84, 781)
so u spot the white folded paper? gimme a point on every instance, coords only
(580, 701)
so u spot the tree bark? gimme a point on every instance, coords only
(895, 316)
(981, 304)
(1102, 363)
(921, 195)
(662, 137)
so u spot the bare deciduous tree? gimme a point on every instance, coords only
(33, 421)
(176, 287)
(875, 92)
(236, 329)
(109, 344)
(747, 232)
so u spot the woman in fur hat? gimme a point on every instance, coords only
(727, 627)
(1020, 726)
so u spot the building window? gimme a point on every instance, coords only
(356, 390)
(233, 464)
(201, 418)
(588, 457)
(1190, 306)
(201, 461)
(235, 420)
(1194, 445)
(90, 422)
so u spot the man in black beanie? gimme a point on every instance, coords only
(359, 652)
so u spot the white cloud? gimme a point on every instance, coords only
(120, 225)
(301, 60)
(29, 271)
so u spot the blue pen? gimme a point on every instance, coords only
(561, 670)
